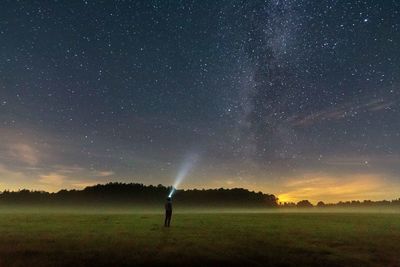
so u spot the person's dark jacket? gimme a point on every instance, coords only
(168, 206)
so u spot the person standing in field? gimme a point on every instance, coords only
(168, 212)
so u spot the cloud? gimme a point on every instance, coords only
(66, 169)
(52, 180)
(24, 153)
(103, 173)
(55, 181)
(341, 112)
(10, 179)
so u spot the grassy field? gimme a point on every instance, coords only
(199, 239)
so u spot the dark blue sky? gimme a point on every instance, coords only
(296, 98)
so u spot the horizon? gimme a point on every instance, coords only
(280, 201)
(299, 99)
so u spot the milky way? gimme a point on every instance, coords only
(287, 97)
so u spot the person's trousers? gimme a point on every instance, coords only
(168, 215)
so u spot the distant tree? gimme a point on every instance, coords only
(288, 204)
(320, 204)
(396, 202)
(304, 204)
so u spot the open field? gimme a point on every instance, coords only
(199, 239)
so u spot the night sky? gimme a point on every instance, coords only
(296, 98)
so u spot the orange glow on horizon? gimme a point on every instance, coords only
(331, 189)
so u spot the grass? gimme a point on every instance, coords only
(199, 239)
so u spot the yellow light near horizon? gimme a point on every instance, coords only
(285, 198)
(330, 188)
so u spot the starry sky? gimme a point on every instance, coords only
(296, 98)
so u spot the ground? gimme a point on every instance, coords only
(199, 239)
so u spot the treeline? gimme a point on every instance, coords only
(134, 194)
(141, 195)
(343, 204)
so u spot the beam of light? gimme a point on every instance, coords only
(183, 171)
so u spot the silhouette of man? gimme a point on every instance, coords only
(168, 212)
